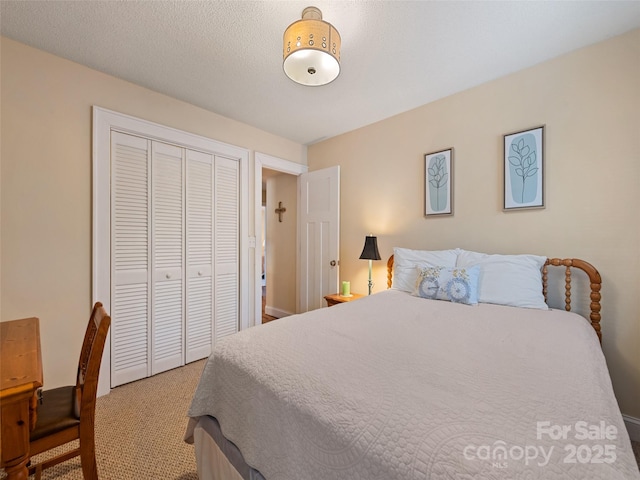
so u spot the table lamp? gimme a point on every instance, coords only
(370, 252)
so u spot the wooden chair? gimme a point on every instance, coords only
(67, 413)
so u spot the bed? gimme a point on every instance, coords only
(459, 370)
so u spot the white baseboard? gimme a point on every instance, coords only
(633, 427)
(276, 312)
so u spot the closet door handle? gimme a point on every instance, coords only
(168, 275)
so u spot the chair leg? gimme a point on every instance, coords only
(88, 459)
(38, 468)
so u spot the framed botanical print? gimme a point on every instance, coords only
(524, 169)
(438, 180)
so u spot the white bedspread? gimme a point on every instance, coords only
(398, 387)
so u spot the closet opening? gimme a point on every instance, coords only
(169, 245)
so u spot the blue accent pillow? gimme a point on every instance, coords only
(459, 285)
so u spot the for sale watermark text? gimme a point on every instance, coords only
(585, 443)
(578, 431)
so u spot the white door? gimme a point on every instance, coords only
(226, 287)
(199, 311)
(319, 207)
(167, 227)
(130, 258)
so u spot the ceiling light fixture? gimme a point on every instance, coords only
(311, 50)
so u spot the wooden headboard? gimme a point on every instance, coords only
(595, 283)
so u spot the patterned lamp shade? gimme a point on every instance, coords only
(311, 50)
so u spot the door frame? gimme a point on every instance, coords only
(262, 160)
(104, 121)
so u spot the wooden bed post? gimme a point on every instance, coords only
(595, 282)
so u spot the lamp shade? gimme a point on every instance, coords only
(370, 250)
(311, 50)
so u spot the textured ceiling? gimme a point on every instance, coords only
(226, 56)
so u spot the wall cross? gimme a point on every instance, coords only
(280, 210)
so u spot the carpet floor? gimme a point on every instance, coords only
(139, 431)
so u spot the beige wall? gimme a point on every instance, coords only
(589, 101)
(46, 186)
(281, 244)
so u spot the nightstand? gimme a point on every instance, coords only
(337, 298)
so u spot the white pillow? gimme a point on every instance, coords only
(405, 262)
(514, 280)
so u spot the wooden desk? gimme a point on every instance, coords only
(20, 377)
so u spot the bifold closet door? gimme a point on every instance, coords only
(130, 258)
(226, 247)
(199, 321)
(167, 253)
(175, 256)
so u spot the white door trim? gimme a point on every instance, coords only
(262, 160)
(103, 122)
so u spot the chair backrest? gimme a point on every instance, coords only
(90, 360)
(89, 335)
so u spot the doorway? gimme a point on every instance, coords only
(273, 167)
(279, 240)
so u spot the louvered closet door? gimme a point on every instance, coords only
(167, 258)
(130, 259)
(226, 246)
(199, 324)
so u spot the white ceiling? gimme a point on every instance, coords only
(226, 56)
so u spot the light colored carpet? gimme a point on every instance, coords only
(139, 430)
